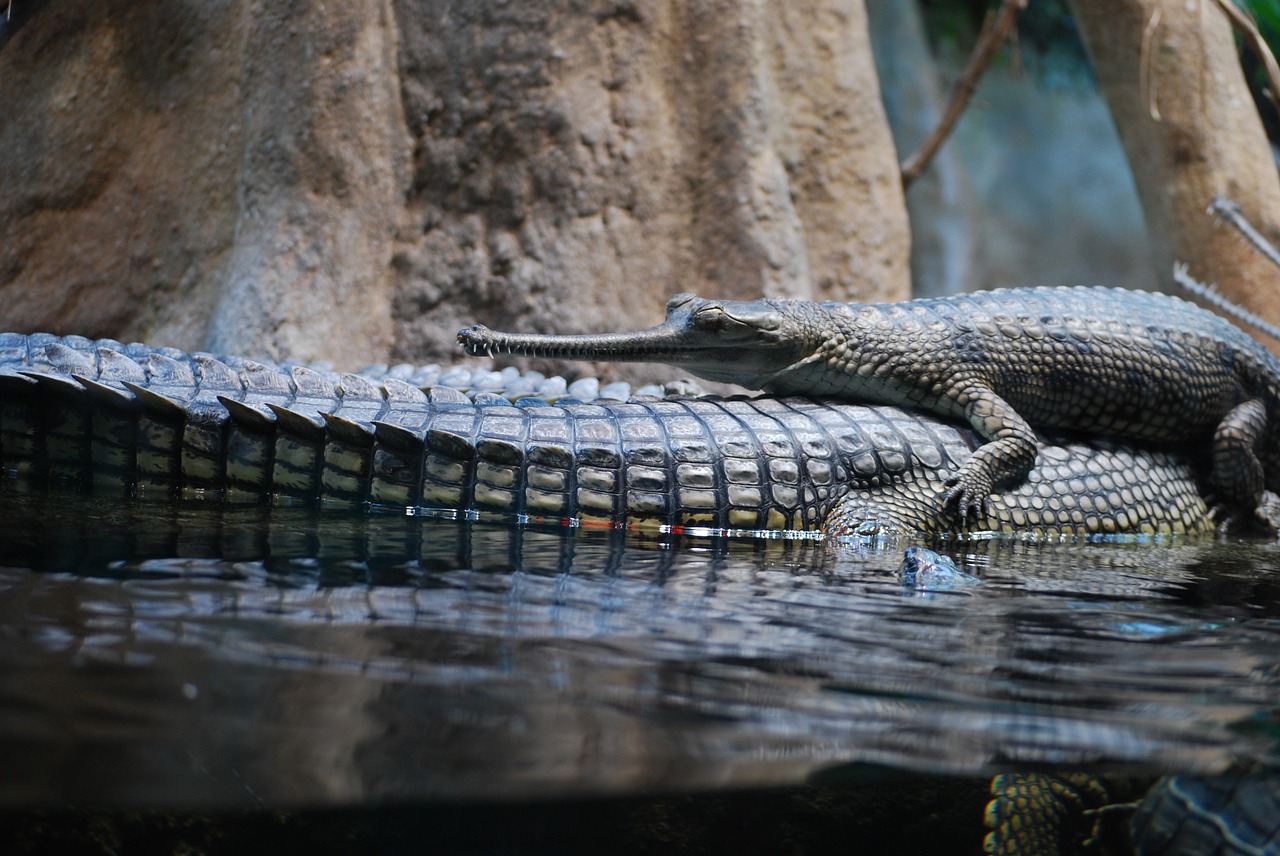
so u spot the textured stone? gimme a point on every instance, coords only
(320, 176)
(578, 163)
(359, 180)
(202, 174)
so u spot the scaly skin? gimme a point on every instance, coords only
(146, 419)
(141, 419)
(1066, 812)
(1129, 364)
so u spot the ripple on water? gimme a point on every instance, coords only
(335, 655)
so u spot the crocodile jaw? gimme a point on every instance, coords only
(742, 342)
(661, 344)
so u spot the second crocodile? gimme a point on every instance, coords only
(1130, 364)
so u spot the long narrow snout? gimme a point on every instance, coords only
(744, 342)
(664, 343)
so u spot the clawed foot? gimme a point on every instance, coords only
(969, 494)
(1229, 518)
(1268, 512)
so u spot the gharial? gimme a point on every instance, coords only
(158, 421)
(1131, 364)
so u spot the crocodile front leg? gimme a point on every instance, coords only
(1238, 475)
(1003, 461)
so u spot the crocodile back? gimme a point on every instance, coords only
(146, 419)
(1129, 363)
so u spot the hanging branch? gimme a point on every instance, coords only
(992, 37)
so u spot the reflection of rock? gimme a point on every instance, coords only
(273, 180)
(329, 658)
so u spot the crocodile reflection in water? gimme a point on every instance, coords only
(818, 657)
(425, 604)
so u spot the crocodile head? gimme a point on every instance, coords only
(734, 341)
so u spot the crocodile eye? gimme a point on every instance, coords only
(710, 317)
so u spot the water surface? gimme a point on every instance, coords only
(189, 653)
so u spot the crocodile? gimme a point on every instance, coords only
(149, 420)
(1135, 365)
(1075, 812)
(1050, 812)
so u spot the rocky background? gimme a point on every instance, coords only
(356, 181)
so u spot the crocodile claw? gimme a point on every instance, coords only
(1229, 518)
(968, 498)
(1268, 511)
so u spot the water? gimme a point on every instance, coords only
(182, 653)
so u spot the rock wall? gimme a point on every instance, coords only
(356, 181)
(116, 206)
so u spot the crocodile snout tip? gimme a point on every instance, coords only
(474, 340)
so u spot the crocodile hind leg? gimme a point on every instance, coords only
(1238, 476)
(1048, 814)
(1003, 461)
